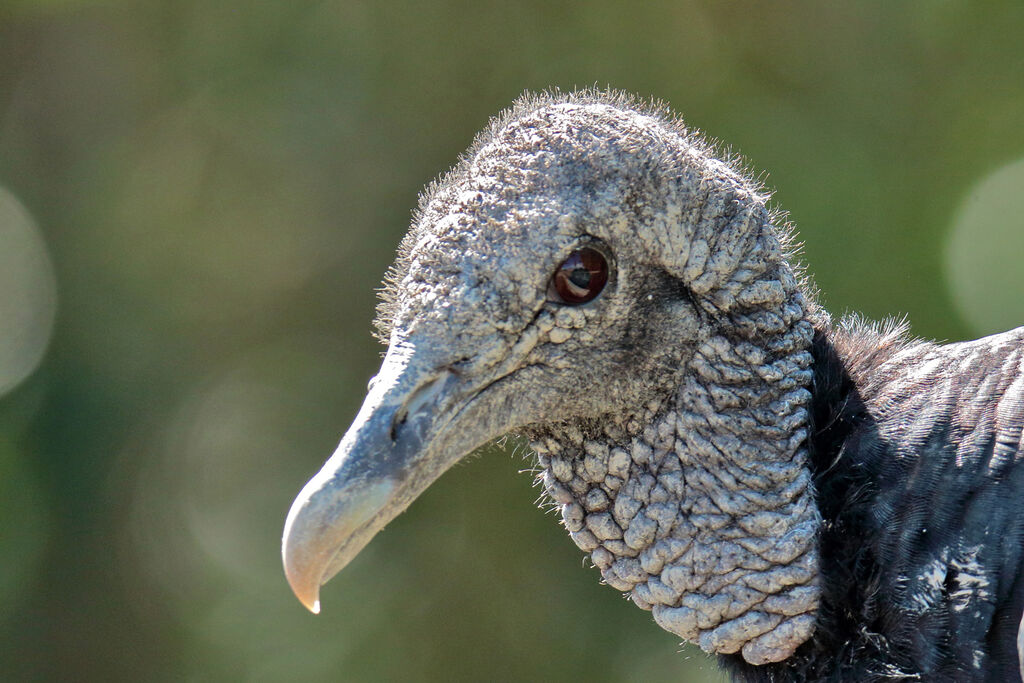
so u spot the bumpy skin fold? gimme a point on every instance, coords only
(782, 491)
(702, 507)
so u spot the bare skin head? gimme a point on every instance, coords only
(591, 275)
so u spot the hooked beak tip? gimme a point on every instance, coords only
(367, 480)
(307, 591)
(304, 581)
(327, 525)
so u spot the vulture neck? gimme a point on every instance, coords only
(700, 504)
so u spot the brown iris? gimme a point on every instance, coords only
(580, 278)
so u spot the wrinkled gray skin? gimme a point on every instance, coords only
(669, 414)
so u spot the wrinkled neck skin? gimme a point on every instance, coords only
(700, 504)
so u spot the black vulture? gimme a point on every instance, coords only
(808, 498)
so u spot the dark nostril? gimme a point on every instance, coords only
(422, 396)
(400, 417)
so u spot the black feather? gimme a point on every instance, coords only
(916, 451)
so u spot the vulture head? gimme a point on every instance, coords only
(592, 276)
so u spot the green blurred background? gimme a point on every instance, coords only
(197, 200)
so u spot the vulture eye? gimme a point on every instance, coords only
(580, 278)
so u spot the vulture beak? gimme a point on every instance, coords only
(404, 437)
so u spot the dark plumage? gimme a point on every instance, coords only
(915, 450)
(810, 500)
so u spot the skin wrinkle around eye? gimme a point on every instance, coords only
(550, 318)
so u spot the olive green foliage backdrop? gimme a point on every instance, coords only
(221, 185)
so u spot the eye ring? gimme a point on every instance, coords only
(581, 277)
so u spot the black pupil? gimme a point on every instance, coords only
(581, 277)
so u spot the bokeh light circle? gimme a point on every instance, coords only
(29, 293)
(985, 252)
